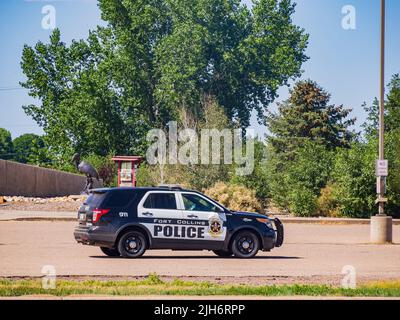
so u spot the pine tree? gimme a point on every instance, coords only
(308, 116)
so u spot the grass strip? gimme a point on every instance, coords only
(153, 285)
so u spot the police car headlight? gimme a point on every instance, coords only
(266, 221)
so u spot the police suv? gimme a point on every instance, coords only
(127, 221)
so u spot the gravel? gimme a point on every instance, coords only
(67, 203)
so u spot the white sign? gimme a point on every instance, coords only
(126, 175)
(382, 168)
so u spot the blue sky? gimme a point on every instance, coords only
(344, 62)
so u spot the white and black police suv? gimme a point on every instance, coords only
(127, 221)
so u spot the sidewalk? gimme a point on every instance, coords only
(20, 215)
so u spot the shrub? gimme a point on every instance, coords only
(327, 203)
(144, 176)
(354, 177)
(295, 185)
(235, 197)
(303, 202)
(258, 180)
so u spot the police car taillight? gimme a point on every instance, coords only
(98, 213)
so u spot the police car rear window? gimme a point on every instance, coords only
(160, 201)
(95, 199)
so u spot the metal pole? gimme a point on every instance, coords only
(381, 224)
(382, 106)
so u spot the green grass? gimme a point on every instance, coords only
(153, 285)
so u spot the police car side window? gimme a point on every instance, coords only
(119, 199)
(195, 203)
(160, 201)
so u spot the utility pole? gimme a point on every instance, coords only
(381, 187)
(381, 225)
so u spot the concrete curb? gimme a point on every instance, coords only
(19, 215)
(336, 221)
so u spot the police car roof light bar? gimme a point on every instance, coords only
(170, 186)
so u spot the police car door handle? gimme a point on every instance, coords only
(147, 214)
(192, 216)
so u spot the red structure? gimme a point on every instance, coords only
(127, 166)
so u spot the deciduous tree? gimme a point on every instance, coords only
(6, 145)
(101, 95)
(27, 146)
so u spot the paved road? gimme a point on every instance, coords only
(316, 252)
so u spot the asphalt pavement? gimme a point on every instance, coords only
(315, 253)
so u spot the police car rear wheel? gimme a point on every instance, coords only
(111, 252)
(245, 245)
(223, 253)
(132, 244)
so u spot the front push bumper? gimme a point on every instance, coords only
(279, 231)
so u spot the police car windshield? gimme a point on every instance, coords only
(217, 204)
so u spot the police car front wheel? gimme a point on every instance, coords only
(245, 244)
(132, 244)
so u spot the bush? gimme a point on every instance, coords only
(303, 202)
(235, 197)
(144, 176)
(328, 203)
(354, 177)
(295, 185)
(258, 180)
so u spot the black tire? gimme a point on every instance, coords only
(223, 253)
(245, 244)
(132, 244)
(111, 252)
